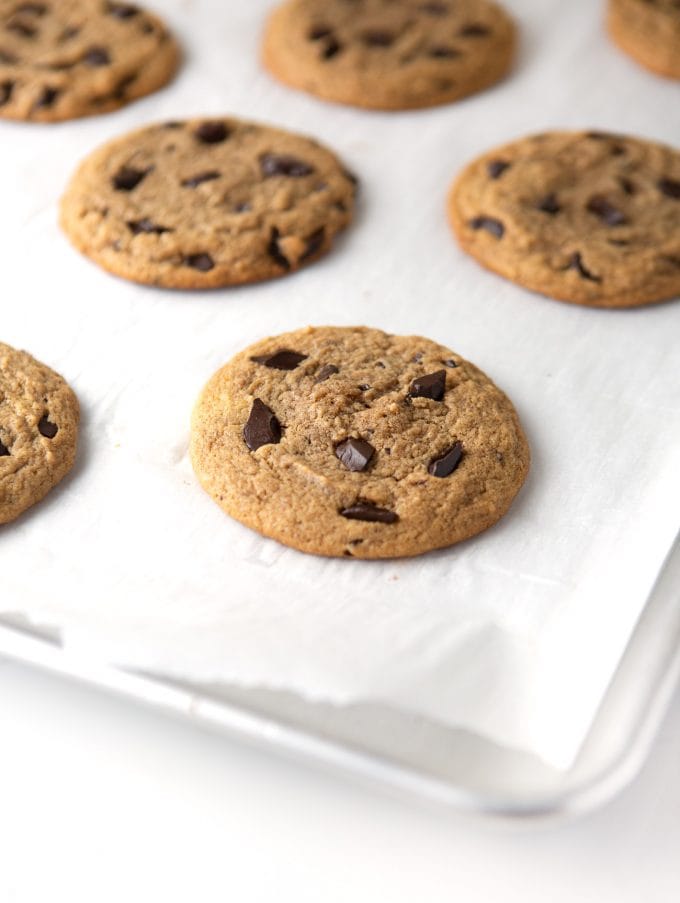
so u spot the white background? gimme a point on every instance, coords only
(102, 801)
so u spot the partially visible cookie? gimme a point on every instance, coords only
(207, 203)
(649, 31)
(587, 217)
(38, 431)
(62, 59)
(352, 442)
(389, 54)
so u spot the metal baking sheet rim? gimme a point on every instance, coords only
(613, 753)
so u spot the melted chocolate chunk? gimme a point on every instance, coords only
(367, 511)
(46, 428)
(607, 212)
(280, 360)
(354, 454)
(4, 451)
(496, 168)
(201, 262)
(262, 428)
(377, 38)
(549, 204)
(122, 10)
(669, 187)
(199, 179)
(331, 48)
(319, 31)
(146, 226)
(212, 132)
(274, 249)
(474, 30)
(47, 98)
(127, 178)
(314, 242)
(431, 386)
(576, 263)
(6, 89)
(284, 165)
(494, 226)
(444, 466)
(326, 371)
(97, 56)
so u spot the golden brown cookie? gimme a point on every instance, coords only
(207, 203)
(649, 31)
(389, 54)
(586, 217)
(350, 441)
(62, 59)
(38, 431)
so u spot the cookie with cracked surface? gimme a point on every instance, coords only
(387, 55)
(63, 59)
(207, 203)
(586, 217)
(39, 416)
(649, 32)
(352, 442)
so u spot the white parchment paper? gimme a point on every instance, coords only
(514, 634)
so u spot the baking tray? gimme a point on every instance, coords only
(409, 754)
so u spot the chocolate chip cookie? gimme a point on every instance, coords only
(587, 217)
(62, 59)
(352, 442)
(38, 431)
(389, 54)
(649, 31)
(207, 203)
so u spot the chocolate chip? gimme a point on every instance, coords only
(22, 28)
(474, 30)
(443, 53)
(354, 454)
(331, 48)
(47, 98)
(280, 360)
(284, 165)
(669, 187)
(628, 186)
(450, 363)
(46, 428)
(576, 263)
(274, 249)
(122, 10)
(97, 56)
(496, 168)
(127, 178)
(548, 204)
(212, 132)
(494, 226)
(201, 262)
(146, 226)
(242, 207)
(364, 387)
(377, 38)
(6, 89)
(262, 428)
(367, 511)
(607, 212)
(314, 243)
(199, 179)
(434, 9)
(431, 386)
(4, 451)
(444, 466)
(326, 371)
(319, 31)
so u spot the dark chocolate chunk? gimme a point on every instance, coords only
(367, 511)
(212, 132)
(47, 98)
(127, 178)
(46, 428)
(474, 30)
(447, 463)
(4, 451)
(199, 179)
(496, 168)
(576, 263)
(6, 89)
(608, 213)
(280, 360)
(314, 243)
(354, 453)
(284, 165)
(549, 204)
(262, 428)
(319, 31)
(377, 38)
(122, 10)
(274, 249)
(97, 56)
(494, 226)
(431, 386)
(146, 226)
(669, 187)
(443, 52)
(331, 48)
(201, 262)
(326, 371)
